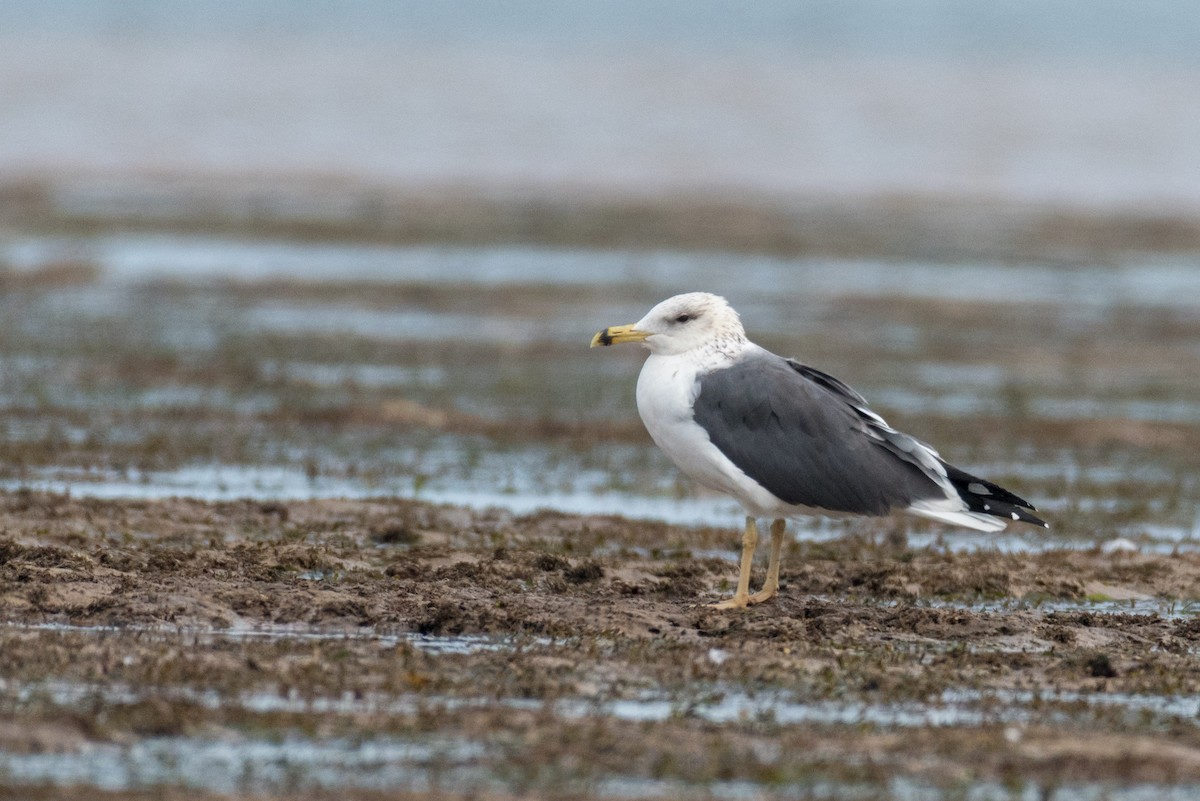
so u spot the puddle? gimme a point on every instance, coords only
(132, 259)
(1157, 607)
(433, 644)
(229, 482)
(955, 707)
(478, 490)
(240, 764)
(714, 704)
(295, 763)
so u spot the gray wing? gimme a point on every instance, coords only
(810, 440)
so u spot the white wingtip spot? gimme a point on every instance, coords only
(1016, 516)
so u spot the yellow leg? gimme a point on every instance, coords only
(771, 586)
(742, 597)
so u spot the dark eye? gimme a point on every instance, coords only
(683, 318)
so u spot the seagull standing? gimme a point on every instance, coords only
(783, 438)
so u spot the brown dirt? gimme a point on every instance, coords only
(594, 608)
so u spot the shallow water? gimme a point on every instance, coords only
(250, 765)
(298, 764)
(429, 643)
(228, 482)
(220, 368)
(130, 259)
(718, 705)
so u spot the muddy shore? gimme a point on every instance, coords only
(127, 621)
(348, 355)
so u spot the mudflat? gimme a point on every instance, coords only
(563, 655)
(273, 491)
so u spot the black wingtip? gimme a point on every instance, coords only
(983, 496)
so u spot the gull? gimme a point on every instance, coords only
(785, 439)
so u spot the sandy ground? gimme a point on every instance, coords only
(591, 609)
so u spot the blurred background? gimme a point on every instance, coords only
(1081, 103)
(296, 248)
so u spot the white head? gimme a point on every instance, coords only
(680, 324)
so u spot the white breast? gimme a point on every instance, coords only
(666, 389)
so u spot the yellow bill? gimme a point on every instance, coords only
(616, 334)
